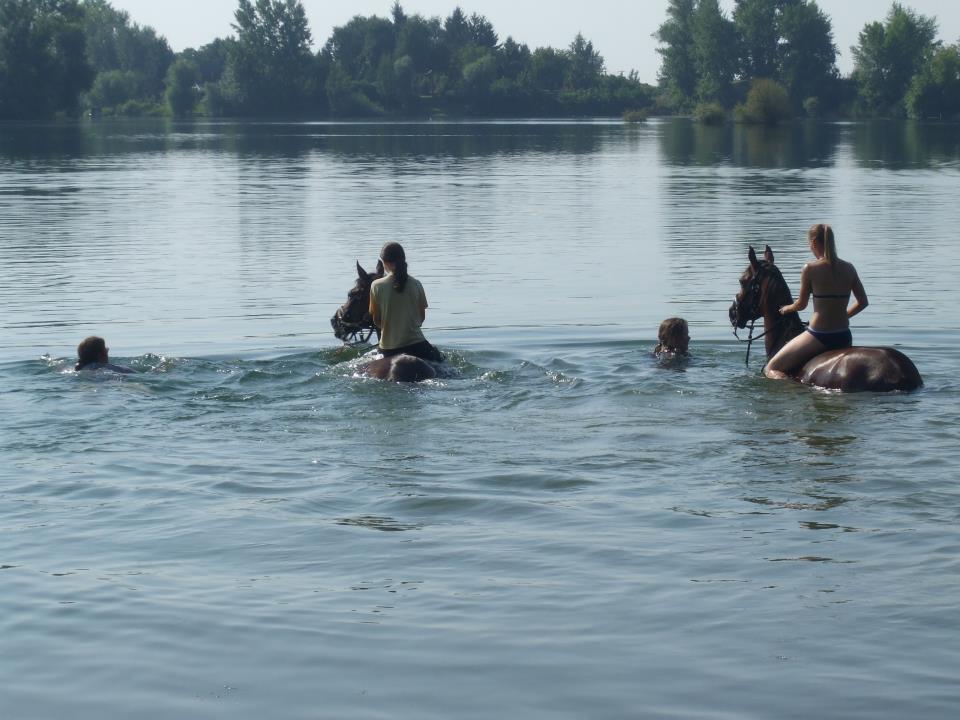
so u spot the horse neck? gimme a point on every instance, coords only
(779, 329)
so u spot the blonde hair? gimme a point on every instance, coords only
(823, 235)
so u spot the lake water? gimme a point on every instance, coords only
(564, 528)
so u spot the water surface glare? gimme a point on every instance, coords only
(563, 527)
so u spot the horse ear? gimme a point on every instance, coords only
(753, 258)
(379, 268)
(361, 273)
(768, 254)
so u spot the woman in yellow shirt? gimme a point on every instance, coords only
(398, 306)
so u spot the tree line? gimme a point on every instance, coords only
(67, 57)
(777, 57)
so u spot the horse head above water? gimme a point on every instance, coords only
(353, 325)
(763, 291)
(352, 322)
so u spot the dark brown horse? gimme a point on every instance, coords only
(763, 291)
(352, 324)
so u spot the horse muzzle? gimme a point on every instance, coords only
(735, 316)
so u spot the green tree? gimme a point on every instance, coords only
(586, 64)
(715, 52)
(43, 67)
(514, 59)
(888, 56)
(182, 91)
(758, 26)
(360, 45)
(112, 88)
(482, 33)
(114, 42)
(935, 91)
(456, 30)
(767, 103)
(270, 69)
(210, 59)
(548, 69)
(808, 53)
(678, 71)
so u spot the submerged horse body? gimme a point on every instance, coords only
(763, 292)
(352, 324)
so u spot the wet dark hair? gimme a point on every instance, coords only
(670, 330)
(90, 351)
(393, 253)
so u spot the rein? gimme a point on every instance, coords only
(749, 340)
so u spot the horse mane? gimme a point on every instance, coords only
(776, 294)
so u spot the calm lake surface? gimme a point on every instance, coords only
(562, 529)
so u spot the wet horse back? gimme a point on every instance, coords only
(857, 369)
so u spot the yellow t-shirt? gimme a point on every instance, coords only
(399, 312)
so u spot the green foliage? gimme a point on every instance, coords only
(715, 52)
(808, 55)
(43, 66)
(757, 24)
(114, 87)
(115, 43)
(935, 91)
(678, 72)
(811, 106)
(889, 55)
(548, 69)
(586, 64)
(710, 114)
(270, 68)
(767, 104)
(210, 60)
(635, 116)
(182, 91)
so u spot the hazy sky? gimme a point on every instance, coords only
(619, 29)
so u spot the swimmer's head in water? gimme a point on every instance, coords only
(92, 350)
(673, 336)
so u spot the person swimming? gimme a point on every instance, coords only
(673, 338)
(93, 354)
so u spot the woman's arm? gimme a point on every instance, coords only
(804, 298)
(859, 294)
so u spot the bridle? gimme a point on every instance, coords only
(351, 332)
(755, 312)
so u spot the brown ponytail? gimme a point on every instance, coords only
(393, 253)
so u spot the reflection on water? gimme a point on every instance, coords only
(797, 145)
(388, 141)
(515, 530)
(899, 144)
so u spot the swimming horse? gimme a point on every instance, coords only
(352, 324)
(763, 291)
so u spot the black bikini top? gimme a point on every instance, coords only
(844, 296)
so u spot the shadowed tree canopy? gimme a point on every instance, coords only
(678, 71)
(888, 56)
(117, 44)
(43, 65)
(270, 67)
(715, 55)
